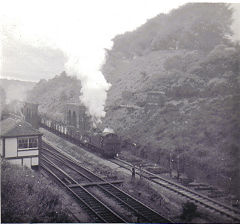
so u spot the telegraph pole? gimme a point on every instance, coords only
(178, 166)
(170, 164)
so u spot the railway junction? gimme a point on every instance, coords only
(119, 174)
(117, 189)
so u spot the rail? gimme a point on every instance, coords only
(145, 213)
(190, 194)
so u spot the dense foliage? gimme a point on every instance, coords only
(2, 100)
(192, 26)
(2, 96)
(26, 197)
(189, 211)
(183, 72)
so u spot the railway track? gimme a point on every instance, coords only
(191, 195)
(194, 196)
(98, 211)
(74, 177)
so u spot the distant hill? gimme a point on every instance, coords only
(16, 89)
(175, 89)
(23, 60)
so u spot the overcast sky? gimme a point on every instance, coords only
(81, 29)
(41, 37)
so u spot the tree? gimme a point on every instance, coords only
(195, 26)
(2, 97)
(189, 211)
(2, 101)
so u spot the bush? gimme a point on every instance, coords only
(189, 211)
(174, 63)
(26, 197)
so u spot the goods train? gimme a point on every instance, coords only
(107, 144)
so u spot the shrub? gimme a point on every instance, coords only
(26, 197)
(189, 211)
(174, 63)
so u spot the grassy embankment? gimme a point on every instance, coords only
(26, 196)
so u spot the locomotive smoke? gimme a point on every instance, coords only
(236, 22)
(81, 42)
(82, 30)
(94, 88)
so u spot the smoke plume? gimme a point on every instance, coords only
(94, 88)
(77, 36)
(236, 22)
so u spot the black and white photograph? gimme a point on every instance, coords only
(120, 111)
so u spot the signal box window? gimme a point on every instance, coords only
(27, 143)
(32, 142)
(23, 143)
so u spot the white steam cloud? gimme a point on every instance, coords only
(236, 22)
(77, 39)
(82, 29)
(94, 88)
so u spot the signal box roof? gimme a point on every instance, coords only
(15, 128)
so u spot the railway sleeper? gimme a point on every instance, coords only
(66, 180)
(94, 184)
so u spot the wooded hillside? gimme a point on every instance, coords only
(175, 88)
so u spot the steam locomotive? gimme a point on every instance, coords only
(106, 143)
